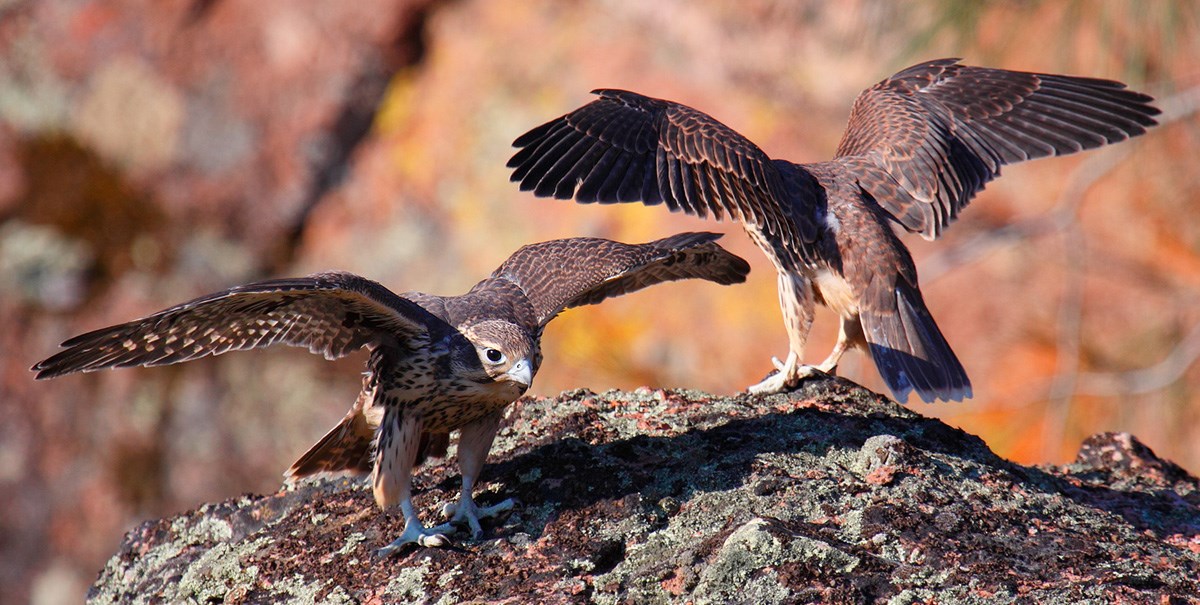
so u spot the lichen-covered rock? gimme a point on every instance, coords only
(830, 494)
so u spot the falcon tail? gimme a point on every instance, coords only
(349, 448)
(911, 353)
(346, 448)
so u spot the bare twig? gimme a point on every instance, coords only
(1144, 380)
(1069, 380)
(1070, 322)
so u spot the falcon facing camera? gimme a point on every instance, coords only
(437, 363)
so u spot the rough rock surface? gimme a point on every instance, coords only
(831, 494)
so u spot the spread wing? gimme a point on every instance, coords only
(926, 140)
(625, 147)
(329, 313)
(565, 273)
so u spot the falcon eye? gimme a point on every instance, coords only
(494, 355)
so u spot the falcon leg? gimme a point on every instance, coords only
(849, 334)
(474, 441)
(796, 302)
(391, 479)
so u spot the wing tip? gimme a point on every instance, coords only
(57, 365)
(730, 268)
(527, 139)
(45, 372)
(739, 271)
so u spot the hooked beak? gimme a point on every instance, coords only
(521, 373)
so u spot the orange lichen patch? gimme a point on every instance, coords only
(883, 475)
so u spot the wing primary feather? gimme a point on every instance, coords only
(526, 158)
(666, 180)
(535, 134)
(608, 168)
(687, 182)
(550, 167)
(559, 176)
(596, 162)
(631, 184)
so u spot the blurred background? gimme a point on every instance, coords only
(151, 152)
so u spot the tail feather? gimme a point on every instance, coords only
(346, 448)
(349, 447)
(911, 353)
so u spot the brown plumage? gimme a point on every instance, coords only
(918, 147)
(436, 364)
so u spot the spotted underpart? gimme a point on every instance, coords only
(437, 363)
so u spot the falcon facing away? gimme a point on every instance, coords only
(918, 147)
(436, 363)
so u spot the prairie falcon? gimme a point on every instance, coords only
(436, 364)
(919, 145)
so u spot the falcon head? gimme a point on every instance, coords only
(508, 356)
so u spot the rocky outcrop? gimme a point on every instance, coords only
(830, 494)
